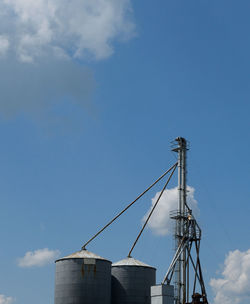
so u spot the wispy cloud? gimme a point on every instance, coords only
(160, 222)
(76, 28)
(38, 258)
(234, 285)
(6, 300)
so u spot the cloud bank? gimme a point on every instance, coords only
(234, 285)
(6, 300)
(76, 29)
(160, 223)
(38, 258)
(41, 45)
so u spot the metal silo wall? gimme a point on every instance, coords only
(131, 284)
(83, 281)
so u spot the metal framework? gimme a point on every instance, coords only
(186, 261)
(187, 240)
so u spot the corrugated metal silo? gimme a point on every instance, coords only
(83, 278)
(131, 282)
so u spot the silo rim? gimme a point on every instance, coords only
(129, 261)
(83, 254)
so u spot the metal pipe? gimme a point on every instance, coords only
(118, 215)
(180, 275)
(184, 194)
(151, 212)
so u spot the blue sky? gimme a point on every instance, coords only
(88, 111)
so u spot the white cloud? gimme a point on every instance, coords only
(38, 258)
(56, 91)
(6, 300)
(76, 28)
(234, 285)
(4, 45)
(160, 222)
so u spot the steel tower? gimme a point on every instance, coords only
(180, 270)
(187, 241)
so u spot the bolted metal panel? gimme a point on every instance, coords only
(131, 282)
(82, 280)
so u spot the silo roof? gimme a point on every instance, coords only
(129, 261)
(83, 254)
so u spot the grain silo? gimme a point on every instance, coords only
(83, 278)
(131, 282)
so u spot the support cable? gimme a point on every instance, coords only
(138, 197)
(151, 212)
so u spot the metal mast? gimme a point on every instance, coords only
(180, 270)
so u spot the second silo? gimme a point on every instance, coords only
(83, 278)
(131, 282)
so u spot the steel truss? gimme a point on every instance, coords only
(191, 239)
